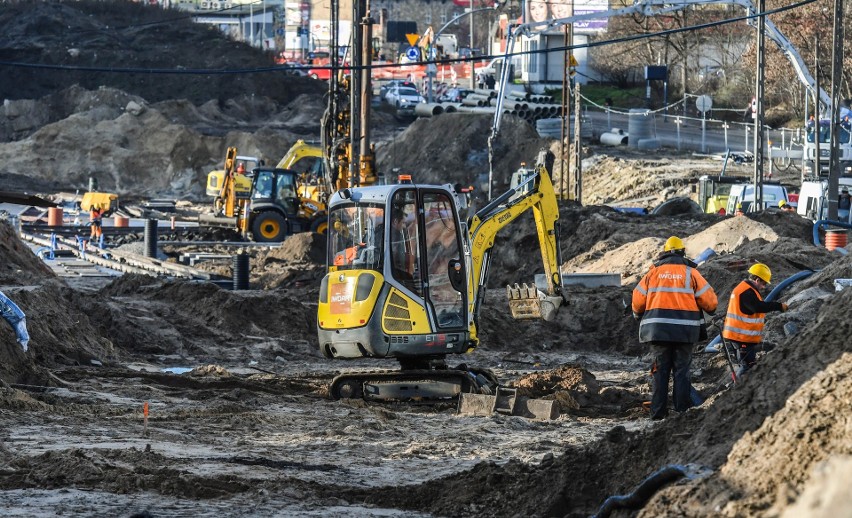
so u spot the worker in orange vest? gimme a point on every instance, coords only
(95, 219)
(746, 312)
(668, 302)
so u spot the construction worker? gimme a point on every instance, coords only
(746, 310)
(668, 301)
(95, 219)
(241, 169)
(739, 211)
(786, 207)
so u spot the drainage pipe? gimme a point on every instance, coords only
(823, 222)
(643, 492)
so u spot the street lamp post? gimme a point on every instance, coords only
(440, 31)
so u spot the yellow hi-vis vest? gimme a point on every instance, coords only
(739, 326)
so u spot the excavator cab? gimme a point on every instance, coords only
(397, 283)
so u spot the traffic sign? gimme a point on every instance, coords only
(412, 53)
(572, 61)
(412, 38)
(703, 103)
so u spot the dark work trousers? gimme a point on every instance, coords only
(671, 358)
(747, 356)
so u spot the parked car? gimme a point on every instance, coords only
(404, 98)
(294, 68)
(383, 91)
(455, 95)
(325, 73)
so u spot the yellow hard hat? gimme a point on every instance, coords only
(782, 203)
(673, 243)
(762, 271)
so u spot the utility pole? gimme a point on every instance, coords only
(759, 134)
(472, 67)
(836, 76)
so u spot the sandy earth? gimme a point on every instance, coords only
(241, 424)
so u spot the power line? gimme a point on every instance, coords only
(273, 69)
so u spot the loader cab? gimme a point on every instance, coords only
(273, 208)
(397, 282)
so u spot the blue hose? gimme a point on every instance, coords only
(644, 491)
(714, 345)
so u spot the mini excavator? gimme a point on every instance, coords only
(406, 280)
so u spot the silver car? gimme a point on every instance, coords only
(404, 98)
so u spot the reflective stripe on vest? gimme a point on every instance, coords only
(671, 312)
(739, 326)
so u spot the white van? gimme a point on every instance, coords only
(743, 194)
(813, 203)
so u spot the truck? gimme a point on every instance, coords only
(813, 199)
(406, 281)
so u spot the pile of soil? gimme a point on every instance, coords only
(59, 333)
(101, 36)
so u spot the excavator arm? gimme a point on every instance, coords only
(534, 192)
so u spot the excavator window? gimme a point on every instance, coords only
(442, 249)
(403, 239)
(355, 236)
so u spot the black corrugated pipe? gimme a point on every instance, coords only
(241, 271)
(644, 491)
(151, 238)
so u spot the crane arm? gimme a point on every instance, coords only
(536, 193)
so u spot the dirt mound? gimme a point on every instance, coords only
(102, 36)
(576, 391)
(150, 316)
(634, 180)
(60, 334)
(18, 264)
(164, 150)
(305, 247)
(452, 148)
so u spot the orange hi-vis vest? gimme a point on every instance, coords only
(739, 326)
(669, 298)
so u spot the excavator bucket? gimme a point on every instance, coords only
(506, 401)
(528, 302)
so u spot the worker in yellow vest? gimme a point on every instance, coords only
(746, 312)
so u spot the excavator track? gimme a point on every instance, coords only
(438, 385)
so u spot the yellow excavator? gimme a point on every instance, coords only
(406, 280)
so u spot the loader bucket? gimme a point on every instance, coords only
(527, 302)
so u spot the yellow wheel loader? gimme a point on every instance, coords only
(406, 279)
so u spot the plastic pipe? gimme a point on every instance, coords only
(643, 492)
(713, 345)
(823, 222)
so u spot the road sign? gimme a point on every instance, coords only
(572, 61)
(703, 103)
(412, 38)
(412, 53)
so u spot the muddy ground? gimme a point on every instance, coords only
(239, 420)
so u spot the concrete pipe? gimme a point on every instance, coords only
(486, 92)
(428, 109)
(450, 107)
(613, 139)
(473, 100)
